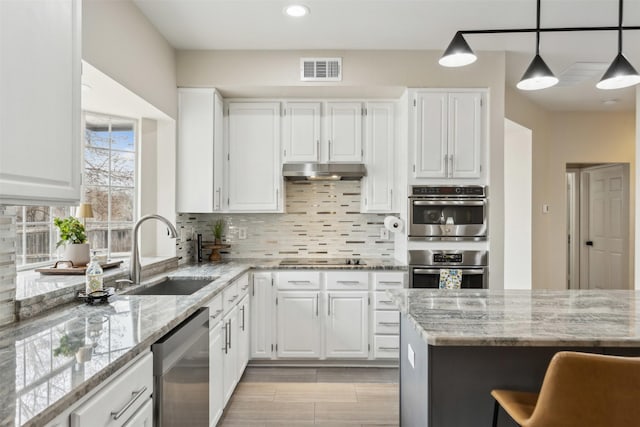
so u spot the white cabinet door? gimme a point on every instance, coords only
(379, 157)
(243, 334)
(448, 135)
(261, 316)
(298, 324)
(143, 417)
(40, 124)
(230, 374)
(253, 149)
(431, 153)
(200, 156)
(347, 325)
(216, 373)
(465, 134)
(302, 132)
(344, 131)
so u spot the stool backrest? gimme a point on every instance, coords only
(589, 390)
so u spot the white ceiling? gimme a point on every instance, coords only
(415, 24)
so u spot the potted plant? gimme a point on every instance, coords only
(73, 236)
(217, 228)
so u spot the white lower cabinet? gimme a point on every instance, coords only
(230, 362)
(298, 324)
(346, 325)
(261, 316)
(243, 334)
(117, 402)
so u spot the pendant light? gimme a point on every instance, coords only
(458, 54)
(620, 73)
(538, 74)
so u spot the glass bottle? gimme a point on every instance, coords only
(94, 275)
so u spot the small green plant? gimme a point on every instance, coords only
(218, 228)
(71, 231)
(68, 345)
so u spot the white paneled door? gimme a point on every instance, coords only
(607, 240)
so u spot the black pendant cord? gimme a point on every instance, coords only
(619, 27)
(538, 27)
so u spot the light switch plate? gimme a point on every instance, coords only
(242, 233)
(384, 233)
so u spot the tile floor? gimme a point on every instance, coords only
(330, 397)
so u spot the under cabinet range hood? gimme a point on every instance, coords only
(323, 171)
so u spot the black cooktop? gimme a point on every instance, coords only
(322, 261)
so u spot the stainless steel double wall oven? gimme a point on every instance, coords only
(425, 266)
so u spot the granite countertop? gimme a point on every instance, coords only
(580, 318)
(41, 376)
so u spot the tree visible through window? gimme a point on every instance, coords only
(109, 181)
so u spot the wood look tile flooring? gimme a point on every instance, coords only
(329, 397)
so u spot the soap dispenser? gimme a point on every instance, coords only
(94, 275)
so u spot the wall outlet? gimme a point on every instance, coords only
(186, 233)
(384, 233)
(545, 209)
(242, 233)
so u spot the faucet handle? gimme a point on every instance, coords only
(125, 281)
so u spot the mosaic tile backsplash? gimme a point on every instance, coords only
(322, 220)
(7, 264)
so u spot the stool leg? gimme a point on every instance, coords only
(495, 414)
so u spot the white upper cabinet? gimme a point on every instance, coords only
(344, 131)
(40, 78)
(379, 157)
(253, 153)
(200, 171)
(448, 134)
(302, 132)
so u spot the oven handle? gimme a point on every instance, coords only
(467, 271)
(456, 202)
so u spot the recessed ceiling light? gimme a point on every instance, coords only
(296, 10)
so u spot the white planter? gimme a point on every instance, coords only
(78, 254)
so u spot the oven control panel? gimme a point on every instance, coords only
(449, 190)
(442, 258)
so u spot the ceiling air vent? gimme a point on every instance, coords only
(321, 69)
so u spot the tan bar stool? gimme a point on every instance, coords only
(579, 390)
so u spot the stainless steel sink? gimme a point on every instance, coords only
(171, 286)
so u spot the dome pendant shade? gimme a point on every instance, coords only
(538, 76)
(620, 74)
(458, 53)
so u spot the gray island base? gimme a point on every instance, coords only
(456, 346)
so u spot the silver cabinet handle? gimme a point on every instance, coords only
(329, 158)
(451, 168)
(388, 348)
(134, 396)
(329, 305)
(229, 331)
(214, 315)
(218, 192)
(385, 302)
(299, 282)
(383, 282)
(235, 297)
(446, 165)
(277, 201)
(318, 149)
(244, 288)
(389, 323)
(317, 304)
(242, 309)
(348, 282)
(225, 348)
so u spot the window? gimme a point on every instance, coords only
(109, 178)
(109, 181)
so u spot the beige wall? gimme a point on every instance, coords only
(558, 139)
(118, 40)
(366, 74)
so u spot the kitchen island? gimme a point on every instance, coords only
(455, 346)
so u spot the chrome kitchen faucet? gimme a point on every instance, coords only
(134, 263)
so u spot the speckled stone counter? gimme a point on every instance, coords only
(39, 367)
(458, 345)
(524, 318)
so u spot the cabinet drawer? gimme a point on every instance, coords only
(299, 280)
(386, 346)
(386, 322)
(230, 296)
(338, 280)
(215, 309)
(382, 301)
(243, 285)
(120, 398)
(383, 281)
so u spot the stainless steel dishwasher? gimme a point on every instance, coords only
(181, 374)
